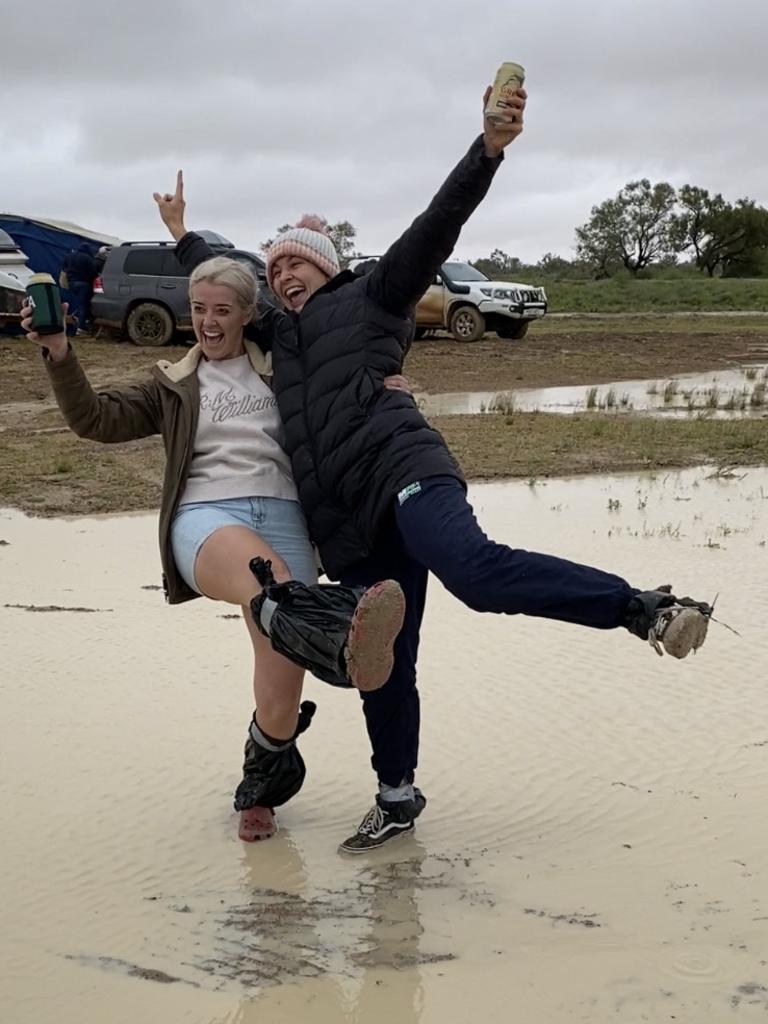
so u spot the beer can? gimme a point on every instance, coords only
(509, 78)
(44, 298)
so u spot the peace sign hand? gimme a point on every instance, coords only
(171, 208)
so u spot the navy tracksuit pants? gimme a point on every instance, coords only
(434, 529)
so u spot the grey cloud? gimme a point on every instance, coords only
(359, 111)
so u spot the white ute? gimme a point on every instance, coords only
(465, 302)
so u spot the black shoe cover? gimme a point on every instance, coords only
(273, 777)
(310, 624)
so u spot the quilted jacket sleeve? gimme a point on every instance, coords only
(409, 266)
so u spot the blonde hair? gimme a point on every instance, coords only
(234, 274)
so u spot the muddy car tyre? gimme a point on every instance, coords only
(467, 324)
(149, 324)
(514, 331)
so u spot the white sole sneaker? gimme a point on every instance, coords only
(375, 626)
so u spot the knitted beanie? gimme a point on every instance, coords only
(309, 240)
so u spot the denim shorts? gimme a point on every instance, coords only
(278, 521)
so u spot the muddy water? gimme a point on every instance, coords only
(594, 848)
(727, 394)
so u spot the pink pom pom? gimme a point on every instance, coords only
(314, 222)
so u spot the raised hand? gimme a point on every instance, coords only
(171, 208)
(499, 136)
(57, 344)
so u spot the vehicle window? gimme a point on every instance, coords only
(171, 266)
(145, 261)
(250, 261)
(463, 272)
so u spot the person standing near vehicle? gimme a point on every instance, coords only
(81, 269)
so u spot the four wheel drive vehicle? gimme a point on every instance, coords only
(465, 302)
(143, 289)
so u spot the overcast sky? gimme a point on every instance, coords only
(357, 110)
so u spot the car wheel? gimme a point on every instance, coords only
(514, 330)
(149, 324)
(467, 324)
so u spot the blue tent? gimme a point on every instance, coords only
(47, 242)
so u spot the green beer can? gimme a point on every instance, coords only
(45, 300)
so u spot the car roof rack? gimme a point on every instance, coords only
(147, 241)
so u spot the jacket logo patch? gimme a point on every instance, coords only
(408, 492)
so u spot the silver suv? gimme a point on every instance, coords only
(142, 290)
(462, 300)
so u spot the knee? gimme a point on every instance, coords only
(280, 569)
(468, 584)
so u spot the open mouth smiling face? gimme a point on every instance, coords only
(218, 320)
(294, 279)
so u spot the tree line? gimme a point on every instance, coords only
(643, 226)
(647, 225)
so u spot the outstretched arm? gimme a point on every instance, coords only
(111, 415)
(409, 266)
(192, 250)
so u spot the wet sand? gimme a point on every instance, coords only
(594, 847)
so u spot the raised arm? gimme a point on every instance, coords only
(409, 266)
(111, 415)
(192, 250)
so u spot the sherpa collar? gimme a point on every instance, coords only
(176, 372)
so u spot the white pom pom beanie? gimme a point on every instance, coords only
(310, 241)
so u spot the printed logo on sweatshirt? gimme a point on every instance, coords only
(229, 404)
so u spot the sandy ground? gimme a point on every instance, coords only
(593, 848)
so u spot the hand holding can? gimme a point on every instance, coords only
(44, 298)
(509, 78)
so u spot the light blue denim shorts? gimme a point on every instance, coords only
(278, 521)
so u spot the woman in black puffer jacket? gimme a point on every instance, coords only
(381, 491)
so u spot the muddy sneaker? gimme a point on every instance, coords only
(376, 623)
(343, 635)
(385, 821)
(675, 625)
(257, 823)
(679, 629)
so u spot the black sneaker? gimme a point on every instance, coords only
(386, 820)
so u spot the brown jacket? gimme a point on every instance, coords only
(168, 403)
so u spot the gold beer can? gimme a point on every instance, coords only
(509, 78)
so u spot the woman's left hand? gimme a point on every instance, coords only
(398, 383)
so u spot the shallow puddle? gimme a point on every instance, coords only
(724, 394)
(594, 847)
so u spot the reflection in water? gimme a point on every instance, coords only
(726, 394)
(364, 941)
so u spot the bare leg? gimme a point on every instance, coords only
(221, 567)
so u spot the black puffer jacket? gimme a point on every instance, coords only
(353, 444)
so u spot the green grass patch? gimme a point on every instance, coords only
(624, 294)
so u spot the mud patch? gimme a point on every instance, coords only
(582, 920)
(111, 963)
(57, 608)
(751, 993)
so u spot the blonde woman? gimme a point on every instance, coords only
(231, 527)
